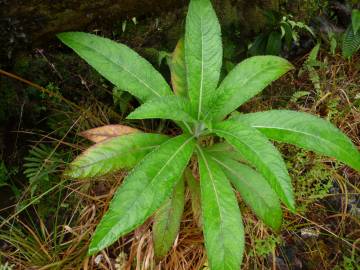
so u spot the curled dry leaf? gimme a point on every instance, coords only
(103, 133)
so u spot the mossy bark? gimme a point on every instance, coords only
(41, 19)
(32, 23)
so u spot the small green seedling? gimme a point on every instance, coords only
(234, 152)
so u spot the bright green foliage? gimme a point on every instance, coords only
(178, 69)
(246, 80)
(255, 191)
(167, 221)
(223, 228)
(121, 152)
(203, 54)
(306, 131)
(159, 163)
(225, 150)
(172, 107)
(119, 64)
(261, 154)
(143, 191)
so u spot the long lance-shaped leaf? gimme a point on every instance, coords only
(225, 150)
(203, 54)
(261, 154)
(167, 221)
(222, 224)
(178, 70)
(254, 189)
(143, 191)
(306, 131)
(194, 187)
(119, 64)
(122, 152)
(171, 107)
(103, 133)
(245, 81)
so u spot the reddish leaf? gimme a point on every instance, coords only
(103, 133)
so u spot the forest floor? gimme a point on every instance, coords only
(46, 220)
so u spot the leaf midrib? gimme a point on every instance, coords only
(120, 66)
(244, 182)
(300, 132)
(216, 194)
(138, 149)
(202, 68)
(246, 81)
(260, 160)
(151, 182)
(167, 227)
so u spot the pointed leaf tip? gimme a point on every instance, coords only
(119, 64)
(143, 191)
(222, 223)
(103, 133)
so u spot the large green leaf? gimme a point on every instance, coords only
(171, 107)
(306, 131)
(254, 189)
(178, 70)
(246, 80)
(203, 54)
(113, 154)
(194, 187)
(119, 64)
(167, 221)
(260, 153)
(222, 224)
(143, 191)
(225, 150)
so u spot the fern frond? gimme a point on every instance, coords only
(351, 42)
(40, 163)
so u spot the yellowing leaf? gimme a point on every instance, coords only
(122, 152)
(178, 70)
(167, 221)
